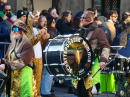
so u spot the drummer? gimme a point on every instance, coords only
(97, 39)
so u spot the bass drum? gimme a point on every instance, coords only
(68, 56)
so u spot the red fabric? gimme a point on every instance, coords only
(10, 21)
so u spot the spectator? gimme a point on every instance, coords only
(8, 23)
(101, 22)
(21, 16)
(6, 13)
(106, 13)
(52, 11)
(44, 12)
(95, 15)
(3, 38)
(69, 23)
(112, 18)
(123, 24)
(47, 80)
(61, 24)
(76, 25)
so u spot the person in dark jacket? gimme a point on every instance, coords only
(3, 33)
(123, 24)
(51, 26)
(101, 22)
(3, 37)
(8, 23)
(61, 24)
(76, 25)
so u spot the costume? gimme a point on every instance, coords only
(97, 39)
(35, 37)
(21, 73)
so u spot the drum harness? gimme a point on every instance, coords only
(96, 50)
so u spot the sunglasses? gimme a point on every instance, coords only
(15, 29)
(7, 10)
(115, 16)
(53, 22)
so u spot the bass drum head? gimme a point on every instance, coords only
(77, 56)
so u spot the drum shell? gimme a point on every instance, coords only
(53, 56)
(118, 65)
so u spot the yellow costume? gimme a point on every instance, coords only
(35, 37)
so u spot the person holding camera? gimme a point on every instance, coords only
(38, 38)
(47, 80)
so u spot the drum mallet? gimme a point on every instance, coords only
(91, 78)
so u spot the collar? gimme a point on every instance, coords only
(110, 21)
(89, 25)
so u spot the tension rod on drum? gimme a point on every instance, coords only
(91, 78)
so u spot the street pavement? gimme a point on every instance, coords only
(62, 92)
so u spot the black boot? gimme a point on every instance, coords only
(71, 90)
(52, 90)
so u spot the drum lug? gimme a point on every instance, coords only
(52, 75)
(93, 62)
(78, 79)
(45, 64)
(61, 81)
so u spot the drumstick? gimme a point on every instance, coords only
(91, 78)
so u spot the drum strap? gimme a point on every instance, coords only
(88, 30)
(96, 50)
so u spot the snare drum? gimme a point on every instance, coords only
(64, 55)
(108, 68)
(118, 65)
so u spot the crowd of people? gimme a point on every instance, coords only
(28, 35)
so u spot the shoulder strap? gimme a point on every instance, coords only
(89, 29)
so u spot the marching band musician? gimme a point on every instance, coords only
(18, 62)
(97, 39)
(38, 39)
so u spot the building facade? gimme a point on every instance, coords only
(74, 5)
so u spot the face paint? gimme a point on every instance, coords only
(86, 17)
